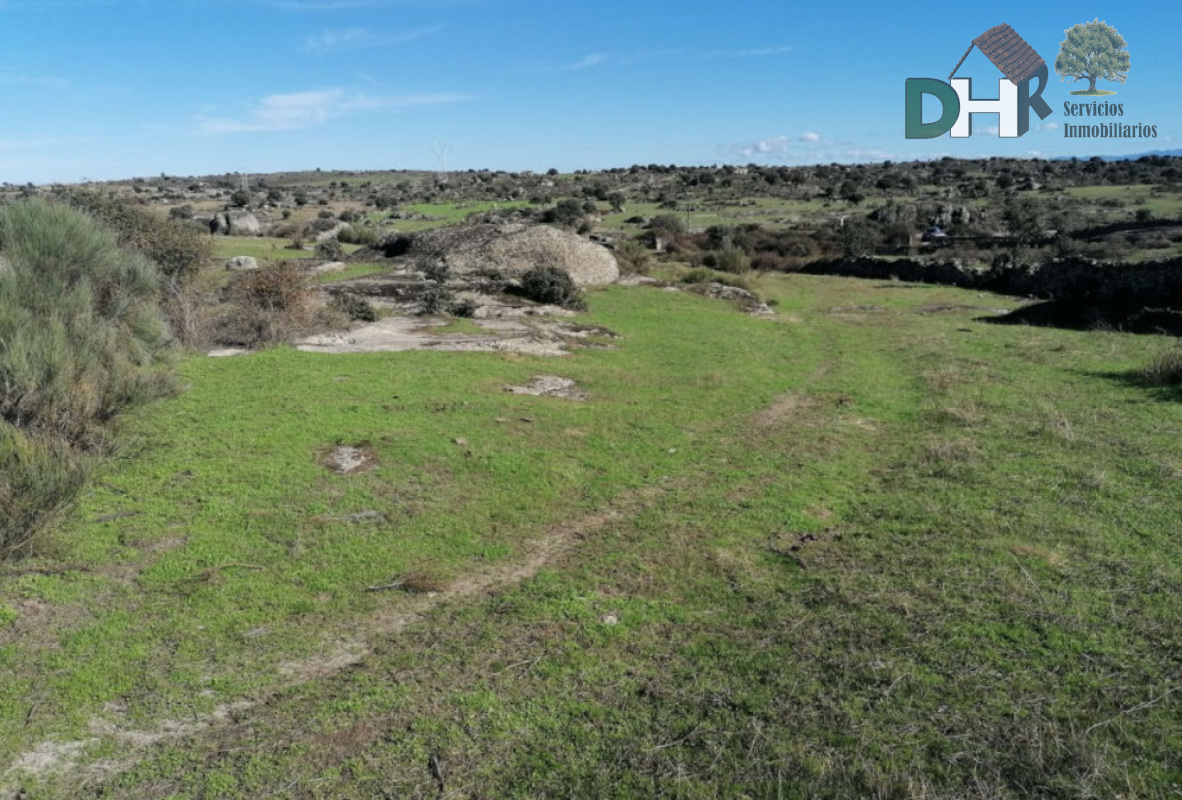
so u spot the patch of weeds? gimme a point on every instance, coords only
(355, 307)
(1165, 369)
(704, 275)
(948, 457)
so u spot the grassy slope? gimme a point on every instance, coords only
(856, 553)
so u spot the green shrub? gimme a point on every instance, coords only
(436, 298)
(80, 322)
(39, 476)
(703, 275)
(633, 257)
(733, 260)
(359, 234)
(82, 336)
(553, 286)
(177, 249)
(330, 250)
(668, 223)
(567, 213)
(356, 308)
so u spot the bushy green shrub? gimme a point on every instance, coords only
(436, 298)
(553, 286)
(703, 275)
(82, 338)
(177, 249)
(729, 259)
(359, 234)
(79, 318)
(567, 213)
(330, 250)
(667, 223)
(633, 257)
(356, 308)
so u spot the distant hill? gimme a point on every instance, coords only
(1133, 157)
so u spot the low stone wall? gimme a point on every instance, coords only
(1155, 284)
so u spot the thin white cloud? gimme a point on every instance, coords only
(1049, 126)
(362, 39)
(752, 52)
(298, 110)
(776, 147)
(9, 79)
(588, 61)
(814, 150)
(760, 52)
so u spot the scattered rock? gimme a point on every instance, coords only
(745, 300)
(610, 619)
(461, 441)
(227, 352)
(330, 266)
(550, 386)
(242, 263)
(529, 334)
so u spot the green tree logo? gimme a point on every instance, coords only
(1093, 50)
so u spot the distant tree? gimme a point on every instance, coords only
(667, 223)
(1093, 50)
(567, 212)
(240, 198)
(617, 201)
(850, 192)
(1026, 219)
(859, 238)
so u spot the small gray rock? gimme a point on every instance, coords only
(242, 263)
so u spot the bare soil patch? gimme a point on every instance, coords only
(551, 386)
(349, 459)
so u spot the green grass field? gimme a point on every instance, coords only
(870, 547)
(260, 247)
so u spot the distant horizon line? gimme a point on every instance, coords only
(1174, 153)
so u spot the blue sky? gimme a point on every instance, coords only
(104, 89)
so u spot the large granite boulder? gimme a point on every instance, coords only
(235, 222)
(508, 250)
